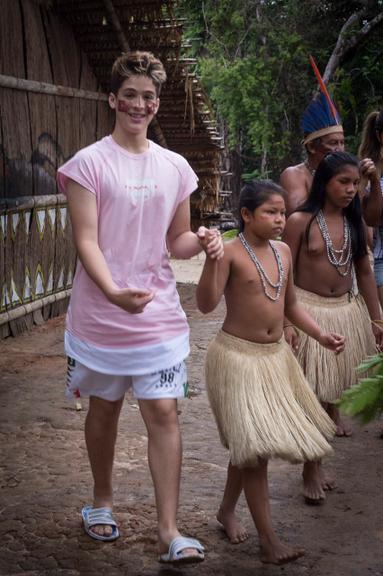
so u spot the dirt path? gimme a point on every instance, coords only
(45, 480)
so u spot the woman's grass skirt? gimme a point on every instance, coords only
(262, 402)
(329, 374)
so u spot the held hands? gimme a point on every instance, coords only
(133, 300)
(211, 242)
(332, 341)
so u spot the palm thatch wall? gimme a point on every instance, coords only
(55, 59)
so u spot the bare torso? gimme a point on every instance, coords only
(250, 314)
(312, 269)
(296, 180)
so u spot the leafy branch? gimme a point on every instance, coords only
(365, 399)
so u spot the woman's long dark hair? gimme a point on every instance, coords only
(329, 167)
(255, 193)
(370, 146)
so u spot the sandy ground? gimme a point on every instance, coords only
(188, 271)
(45, 479)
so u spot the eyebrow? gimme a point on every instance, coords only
(129, 89)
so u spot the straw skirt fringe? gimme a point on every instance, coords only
(262, 403)
(327, 373)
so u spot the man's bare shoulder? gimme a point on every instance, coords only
(296, 168)
(293, 173)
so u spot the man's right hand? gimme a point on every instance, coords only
(133, 300)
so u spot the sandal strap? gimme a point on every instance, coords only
(181, 543)
(100, 516)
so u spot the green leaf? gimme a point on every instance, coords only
(230, 234)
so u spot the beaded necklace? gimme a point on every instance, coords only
(339, 258)
(311, 170)
(265, 280)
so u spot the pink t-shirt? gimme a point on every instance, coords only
(137, 196)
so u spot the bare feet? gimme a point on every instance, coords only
(313, 490)
(341, 428)
(232, 526)
(276, 552)
(327, 482)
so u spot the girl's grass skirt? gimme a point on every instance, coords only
(262, 402)
(327, 373)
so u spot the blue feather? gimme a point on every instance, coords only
(318, 115)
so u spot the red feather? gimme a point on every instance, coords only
(323, 88)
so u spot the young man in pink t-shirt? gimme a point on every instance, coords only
(129, 205)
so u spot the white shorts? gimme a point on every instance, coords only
(169, 383)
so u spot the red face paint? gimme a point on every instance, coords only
(122, 106)
(151, 107)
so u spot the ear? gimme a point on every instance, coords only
(156, 107)
(311, 148)
(245, 214)
(112, 100)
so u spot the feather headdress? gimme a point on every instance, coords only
(320, 117)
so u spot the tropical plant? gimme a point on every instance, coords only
(365, 399)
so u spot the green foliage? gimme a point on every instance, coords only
(365, 399)
(230, 234)
(254, 175)
(253, 62)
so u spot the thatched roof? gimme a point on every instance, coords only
(105, 28)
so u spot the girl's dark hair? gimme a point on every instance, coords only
(329, 167)
(255, 193)
(370, 146)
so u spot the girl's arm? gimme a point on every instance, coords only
(83, 214)
(183, 243)
(212, 282)
(293, 234)
(367, 287)
(297, 314)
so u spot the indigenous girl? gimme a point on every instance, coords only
(327, 239)
(261, 401)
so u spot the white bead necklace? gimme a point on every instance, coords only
(339, 258)
(311, 170)
(265, 280)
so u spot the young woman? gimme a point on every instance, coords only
(327, 238)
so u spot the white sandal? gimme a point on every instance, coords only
(98, 517)
(176, 547)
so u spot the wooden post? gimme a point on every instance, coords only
(45, 88)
